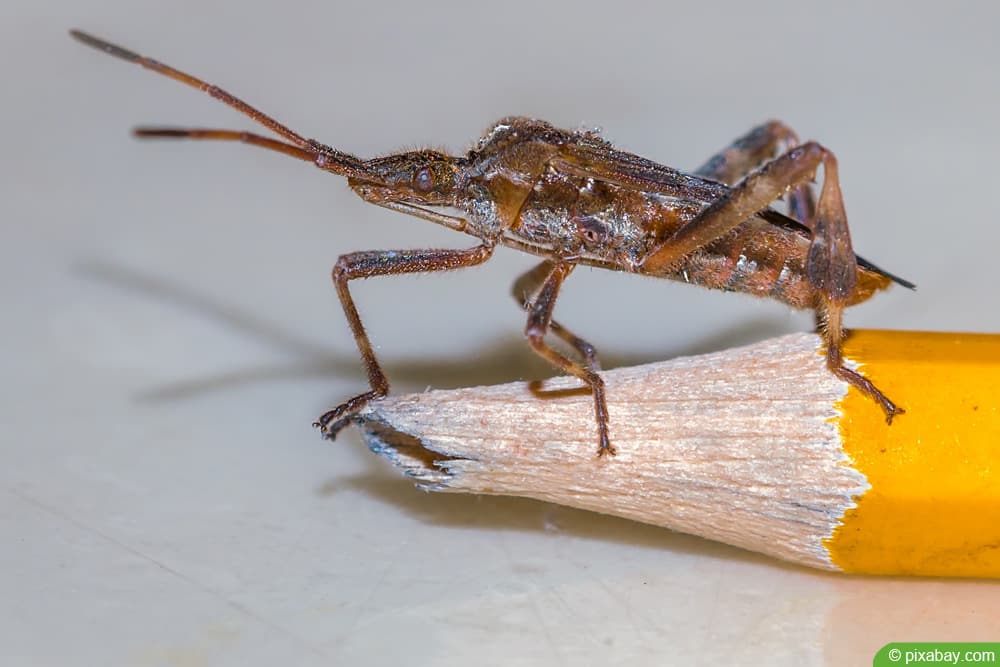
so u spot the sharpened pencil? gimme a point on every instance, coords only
(760, 447)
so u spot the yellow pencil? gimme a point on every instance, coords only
(760, 447)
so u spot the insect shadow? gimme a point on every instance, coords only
(505, 360)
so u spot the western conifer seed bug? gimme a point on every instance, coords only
(571, 198)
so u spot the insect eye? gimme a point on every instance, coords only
(423, 180)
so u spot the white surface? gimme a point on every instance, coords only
(170, 330)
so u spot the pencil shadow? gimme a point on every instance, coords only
(506, 359)
(526, 515)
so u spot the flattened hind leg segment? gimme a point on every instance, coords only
(828, 316)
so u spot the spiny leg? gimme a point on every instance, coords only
(383, 263)
(831, 265)
(524, 290)
(539, 322)
(763, 143)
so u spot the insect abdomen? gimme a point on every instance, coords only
(768, 261)
(755, 258)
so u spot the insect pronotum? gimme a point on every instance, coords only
(571, 198)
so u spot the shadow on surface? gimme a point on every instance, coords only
(505, 360)
(483, 512)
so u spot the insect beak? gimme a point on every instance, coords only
(373, 191)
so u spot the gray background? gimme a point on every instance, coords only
(170, 331)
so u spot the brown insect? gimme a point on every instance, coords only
(570, 197)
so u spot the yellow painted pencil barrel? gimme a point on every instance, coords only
(761, 447)
(934, 504)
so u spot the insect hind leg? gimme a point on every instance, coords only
(829, 322)
(762, 143)
(830, 265)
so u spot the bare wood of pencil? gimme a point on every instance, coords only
(760, 447)
(736, 446)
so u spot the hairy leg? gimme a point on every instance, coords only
(539, 321)
(524, 290)
(383, 263)
(829, 318)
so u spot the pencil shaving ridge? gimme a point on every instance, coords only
(740, 446)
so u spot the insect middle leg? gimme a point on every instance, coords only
(539, 322)
(524, 290)
(762, 143)
(831, 265)
(383, 263)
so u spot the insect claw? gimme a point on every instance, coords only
(323, 430)
(329, 425)
(892, 412)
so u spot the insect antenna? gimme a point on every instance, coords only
(307, 154)
(324, 156)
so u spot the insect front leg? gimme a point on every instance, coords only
(524, 290)
(383, 263)
(539, 322)
(831, 265)
(763, 143)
